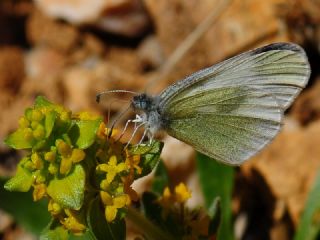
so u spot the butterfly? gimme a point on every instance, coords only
(232, 110)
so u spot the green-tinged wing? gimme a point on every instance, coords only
(228, 124)
(282, 69)
(233, 109)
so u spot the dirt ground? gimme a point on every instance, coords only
(70, 50)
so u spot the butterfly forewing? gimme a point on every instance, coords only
(282, 69)
(231, 110)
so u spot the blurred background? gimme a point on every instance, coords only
(70, 50)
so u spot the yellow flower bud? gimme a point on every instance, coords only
(39, 132)
(104, 184)
(53, 168)
(28, 134)
(54, 208)
(65, 165)
(29, 165)
(40, 179)
(182, 193)
(39, 191)
(36, 115)
(72, 223)
(64, 149)
(24, 122)
(34, 124)
(77, 155)
(50, 156)
(37, 160)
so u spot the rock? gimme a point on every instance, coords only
(303, 22)
(150, 53)
(129, 21)
(42, 30)
(44, 62)
(123, 17)
(234, 32)
(74, 11)
(11, 69)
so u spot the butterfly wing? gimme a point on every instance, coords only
(233, 109)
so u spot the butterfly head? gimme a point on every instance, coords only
(143, 102)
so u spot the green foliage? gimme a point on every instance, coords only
(32, 216)
(85, 174)
(21, 182)
(309, 226)
(100, 228)
(68, 192)
(83, 132)
(160, 180)
(150, 156)
(217, 181)
(54, 231)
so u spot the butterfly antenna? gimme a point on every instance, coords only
(98, 96)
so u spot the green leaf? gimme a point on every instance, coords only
(54, 231)
(161, 179)
(100, 228)
(33, 216)
(17, 140)
(69, 190)
(214, 213)
(49, 122)
(153, 212)
(309, 227)
(83, 132)
(42, 102)
(150, 155)
(216, 180)
(20, 182)
(151, 209)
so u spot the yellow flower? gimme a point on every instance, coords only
(65, 165)
(111, 168)
(182, 193)
(166, 201)
(133, 161)
(117, 202)
(54, 208)
(69, 156)
(37, 160)
(72, 223)
(39, 191)
(113, 134)
(86, 116)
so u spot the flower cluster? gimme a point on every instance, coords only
(194, 223)
(72, 161)
(118, 168)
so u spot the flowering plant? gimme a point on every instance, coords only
(74, 162)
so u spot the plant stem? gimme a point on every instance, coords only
(146, 227)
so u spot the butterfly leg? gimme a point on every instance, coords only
(141, 139)
(125, 128)
(134, 133)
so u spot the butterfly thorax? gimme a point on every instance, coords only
(148, 112)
